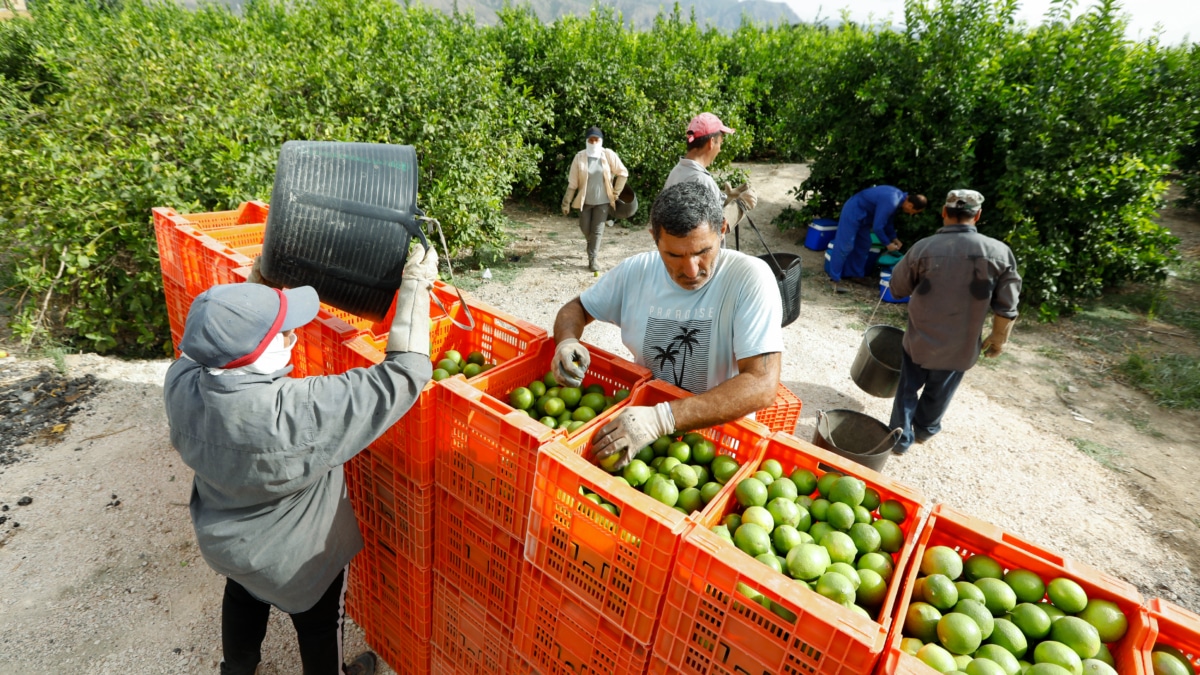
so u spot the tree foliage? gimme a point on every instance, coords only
(109, 108)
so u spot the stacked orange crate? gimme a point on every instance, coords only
(783, 414)
(608, 571)
(949, 527)
(710, 626)
(485, 463)
(1175, 627)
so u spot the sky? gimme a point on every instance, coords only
(1179, 19)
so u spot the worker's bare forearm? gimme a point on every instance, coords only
(750, 390)
(571, 320)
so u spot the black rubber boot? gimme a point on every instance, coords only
(363, 664)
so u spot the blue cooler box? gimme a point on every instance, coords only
(885, 287)
(820, 232)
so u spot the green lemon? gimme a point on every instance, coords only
(1027, 585)
(1031, 619)
(959, 633)
(1008, 636)
(785, 538)
(759, 516)
(709, 491)
(835, 587)
(723, 468)
(866, 538)
(979, 614)
(1067, 595)
(942, 560)
(969, 591)
(847, 571)
(684, 477)
(937, 658)
(1097, 667)
(1081, 636)
(1110, 622)
(782, 488)
(537, 388)
(805, 481)
(636, 472)
(982, 666)
(751, 492)
(784, 511)
(921, 621)
(848, 490)
(689, 500)
(773, 467)
(703, 451)
(893, 510)
(940, 592)
(583, 414)
(520, 398)
(825, 483)
(770, 560)
(878, 563)
(997, 595)
(981, 566)
(840, 547)
(665, 491)
(570, 396)
(1058, 654)
(1001, 656)
(819, 509)
(872, 588)
(593, 401)
(840, 516)
(439, 375)
(871, 499)
(808, 562)
(680, 451)
(891, 537)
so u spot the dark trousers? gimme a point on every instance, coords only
(921, 416)
(318, 630)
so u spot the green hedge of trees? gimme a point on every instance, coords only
(110, 108)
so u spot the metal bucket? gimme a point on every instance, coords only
(786, 268)
(627, 204)
(856, 437)
(876, 367)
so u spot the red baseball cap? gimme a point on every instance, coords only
(705, 124)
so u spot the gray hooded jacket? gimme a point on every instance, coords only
(269, 501)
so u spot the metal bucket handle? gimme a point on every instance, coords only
(470, 325)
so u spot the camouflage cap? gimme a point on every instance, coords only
(966, 200)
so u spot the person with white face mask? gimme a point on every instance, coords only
(596, 178)
(269, 503)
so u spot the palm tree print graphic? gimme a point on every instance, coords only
(677, 351)
(685, 342)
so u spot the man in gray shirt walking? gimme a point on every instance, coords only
(954, 277)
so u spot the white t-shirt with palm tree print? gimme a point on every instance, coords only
(692, 339)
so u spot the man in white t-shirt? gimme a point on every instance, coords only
(701, 317)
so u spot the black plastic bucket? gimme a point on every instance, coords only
(786, 268)
(341, 220)
(855, 436)
(876, 367)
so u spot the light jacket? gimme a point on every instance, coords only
(578, 176)
(269, 502)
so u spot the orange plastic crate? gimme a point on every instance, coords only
(487, 450)
(483, 560)
(474, 641)
(1175, 626)
(392, 601)
(558, 635)
(710, 627)
(949, 527)
(398, 511)
(783, 414)
(247, 213)
(619, 565)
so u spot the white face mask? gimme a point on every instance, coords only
(595, 149)
(277, 355)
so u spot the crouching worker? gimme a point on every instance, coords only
(269, 502)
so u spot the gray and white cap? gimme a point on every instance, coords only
(965, 200)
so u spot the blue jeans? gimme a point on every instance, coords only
(921, 417)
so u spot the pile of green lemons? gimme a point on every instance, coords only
(563, 407)
(453, 363)
(682, 471)
(971, 616)
(834, 534)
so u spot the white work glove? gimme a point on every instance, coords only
(570, 363)
(748, 197)
(632, 430)
(410, 325)
(566, 202)
(993, 344)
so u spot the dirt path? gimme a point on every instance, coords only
(102, 574)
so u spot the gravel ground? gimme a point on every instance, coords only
(102, 574)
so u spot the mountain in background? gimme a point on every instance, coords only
(724, 15)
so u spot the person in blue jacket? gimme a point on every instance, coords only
(872, 210)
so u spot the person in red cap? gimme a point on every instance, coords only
(269, 503)
(705, 134)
